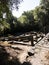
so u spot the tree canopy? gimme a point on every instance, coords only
(6, 7)
(36, 20)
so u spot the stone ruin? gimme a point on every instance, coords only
(16, 54)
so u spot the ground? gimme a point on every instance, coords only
(35, 55)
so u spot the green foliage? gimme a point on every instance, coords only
(45, 14)
(4, 26)
(27, 20)
(37, 19)
(23, 19)
(7, 21)
(10, 3)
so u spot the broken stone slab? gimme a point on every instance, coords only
(34, 42)
(39, 39)
(25, 40)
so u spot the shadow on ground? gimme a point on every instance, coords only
(6, 59)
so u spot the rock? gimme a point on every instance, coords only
(34, 42)
(36, 55)
(30, 54)
(26, 63)
(39, 39)
(22, 57)
(5, 43)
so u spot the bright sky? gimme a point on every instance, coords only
(25, 6)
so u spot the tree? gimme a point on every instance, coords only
(45, 5)
(6, 16)
(6, 6)
(10, 3)
(27, 20)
